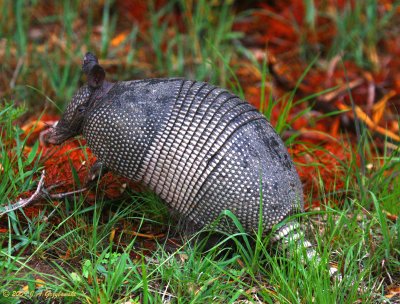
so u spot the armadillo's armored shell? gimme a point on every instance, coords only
(200, 148)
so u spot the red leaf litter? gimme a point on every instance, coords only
(57, 161)
(60, 162)
(321, 166)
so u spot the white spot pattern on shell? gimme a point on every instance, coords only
(200, 148)
(81, 97)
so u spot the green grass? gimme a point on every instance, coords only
(17, 167)
(360, 27)
(117, 270)
(195, 52)
(88, 251)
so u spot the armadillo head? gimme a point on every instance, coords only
(71, 122)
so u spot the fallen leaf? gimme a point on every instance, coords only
(379, 108)
(368, 121)
(390, 216)
(39, 283)
(184, 257)
(394, 291)
(112, 235)
(117, 40)
(33, 126)
(145, 235)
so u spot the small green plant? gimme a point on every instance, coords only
(18, 168)
(194, 53)
(359, 25)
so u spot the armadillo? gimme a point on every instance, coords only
(200, 148)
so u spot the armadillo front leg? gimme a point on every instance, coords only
(97, 170)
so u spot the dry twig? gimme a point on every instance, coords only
(40, 193)
(26, 201)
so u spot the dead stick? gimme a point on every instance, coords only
(16, 72)
(39, 193)
(26, 201)
(65, 194)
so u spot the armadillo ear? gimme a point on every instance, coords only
(93, 70)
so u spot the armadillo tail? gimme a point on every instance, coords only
(291, 233)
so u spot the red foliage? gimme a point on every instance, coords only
(281, 28)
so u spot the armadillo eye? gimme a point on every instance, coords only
(80, 109)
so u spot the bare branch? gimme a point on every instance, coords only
(26, 201)
(16, 72)
(40, 193)
(65, 194)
